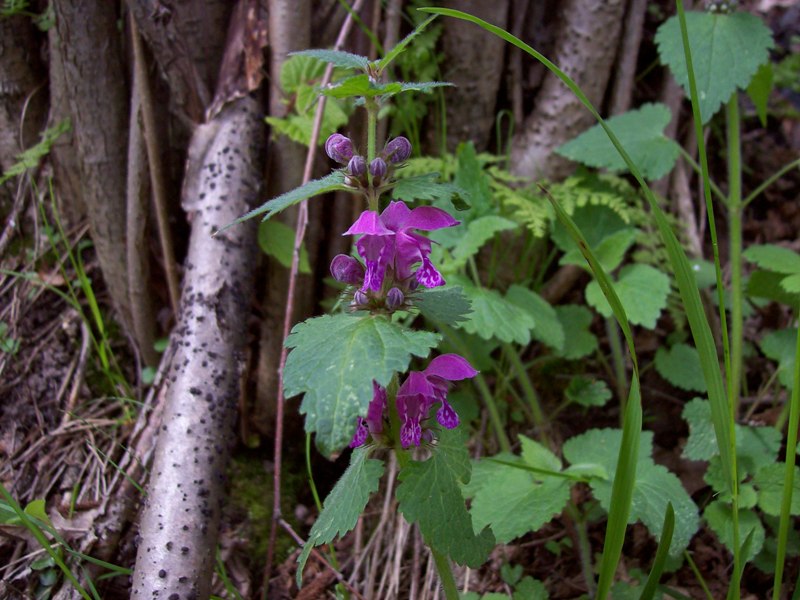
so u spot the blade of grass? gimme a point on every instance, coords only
(661, 554)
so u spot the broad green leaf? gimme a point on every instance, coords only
(330, 183)
(727, 51)
(36, 508)
(791, 284)
(398, 49)
(780, 346)
(769, 482)
(769, 285)
(337, 58)
(680, 365)
(640, 131)
(344, 504)
(720, 520)
(471, 177)
(477, 233)
(428, 187)
(334, 360)
(548, 328)
(609, 251)
(300, 71)
(596, 223)
(654, 488)
(276, 239)
(578, 340)
(429, 494)
(642, 290)
(588, 392)
(493, 316)
(359, 85)
(530, 589)
(703, 272)
(421, 86)
(444, 305)
(759, 90)
(774, 258)
(702, 442)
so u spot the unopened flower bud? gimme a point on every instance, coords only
(347, 269)
(360, 298)
(394, 299)
(397, 150)
(377, 168)
(339, 148)
(357, 166)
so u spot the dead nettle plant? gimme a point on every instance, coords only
(353, 365)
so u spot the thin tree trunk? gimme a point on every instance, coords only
(625, 73)
(98, 100)
(585, 49)
(180, 523)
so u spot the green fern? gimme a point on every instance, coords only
(31, 157)
(11, 8)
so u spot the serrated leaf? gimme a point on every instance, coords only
(429, 494)
(530, 589)
(477, 233)
(359, 85)
(654, 486)
(774, 258)
(421, 86)
(344, 504)
(578, 340)
(588, 392)
(338, 58)
(719, 517)
(496, 317)
(276, 239)
(334, 360)
(446, 305)
(727, 51)
(759, 90)
(548, 328)
(641, 133)
(428, 187)
(597, 223)
(770, 483)
(680, 365)
(299, 71)
(781, 347)
(791, 283)
(642, 290)
(609, 252)
(702, 442)
(768, 284)
(330, 183)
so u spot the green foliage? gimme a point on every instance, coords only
(769, 480)
(276, 239)
(640, 131)
(718, 516)
(654, 486)
(680, 365)
(702, 442)
(446, 306)
(30, 158)
(334, 360)
(477, 233)
(588, 392)
(363, 86)
(642, 290)
(548, 328)
(784, 266)
(8, 344)
(337, 58)
(578, 340)
(513, 500)
(494, 316)
(781, 347)
(727, 51)
(428, 187)
(11, 8)
(344, 504)
(605, 232)
(759, 90)
(429, 494)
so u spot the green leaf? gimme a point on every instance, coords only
(655, 487)
(791, 284)
(642, 290)
(588, 392)
(298, 72)
(477, 233)
(727, 51)
(578, 340)
(446, 305)
(36, 508)
(702, 442)
(774, 258)
(31, 157)
(398, 49)
(429, 494)
(719, 517)
(428, 187)
(421, 86)
(759, 90)
(770, 483)
(704, 273)
(680, 365)
(605, 232)
(769, 285)
(493, 316)
(640, 131)
(344, 504)
(780, 346)
(530, 589)
(334, 360)
(330, 183)
(276, 239)
(359, 85)
(471, 177)
(337, 58)
(609, 251)
(548, 328)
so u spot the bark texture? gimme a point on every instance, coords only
(475, 60)
(98, 101)
(180, 523)
(585, 49)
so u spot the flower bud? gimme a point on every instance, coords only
(357, 166)
(397, 150)
(394, 299)
(360, 298)
(339, 148)
(377, 168)
(347, 269)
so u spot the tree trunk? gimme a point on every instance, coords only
(95, 80)
(180, 523)
(585, 49)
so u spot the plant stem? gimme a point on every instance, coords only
(445, 575)
(372, 127)
(769, 181)
(735, 246)
(584, 547)
(618, 358)
(528, 390)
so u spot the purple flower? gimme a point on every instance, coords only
(388, 242)
(394, 298)
(347, 269)
(339, 148)
(373, 424)
(357, 166)
(397, 150)
(423, 389)
(377, 168)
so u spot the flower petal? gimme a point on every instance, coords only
(416, 384)
(394, 216)
(370, 223)
(428, 218)
(360, 436)
(447, 417)
(427, 274)
(347, 269)
(377, 406)
(451, 367)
